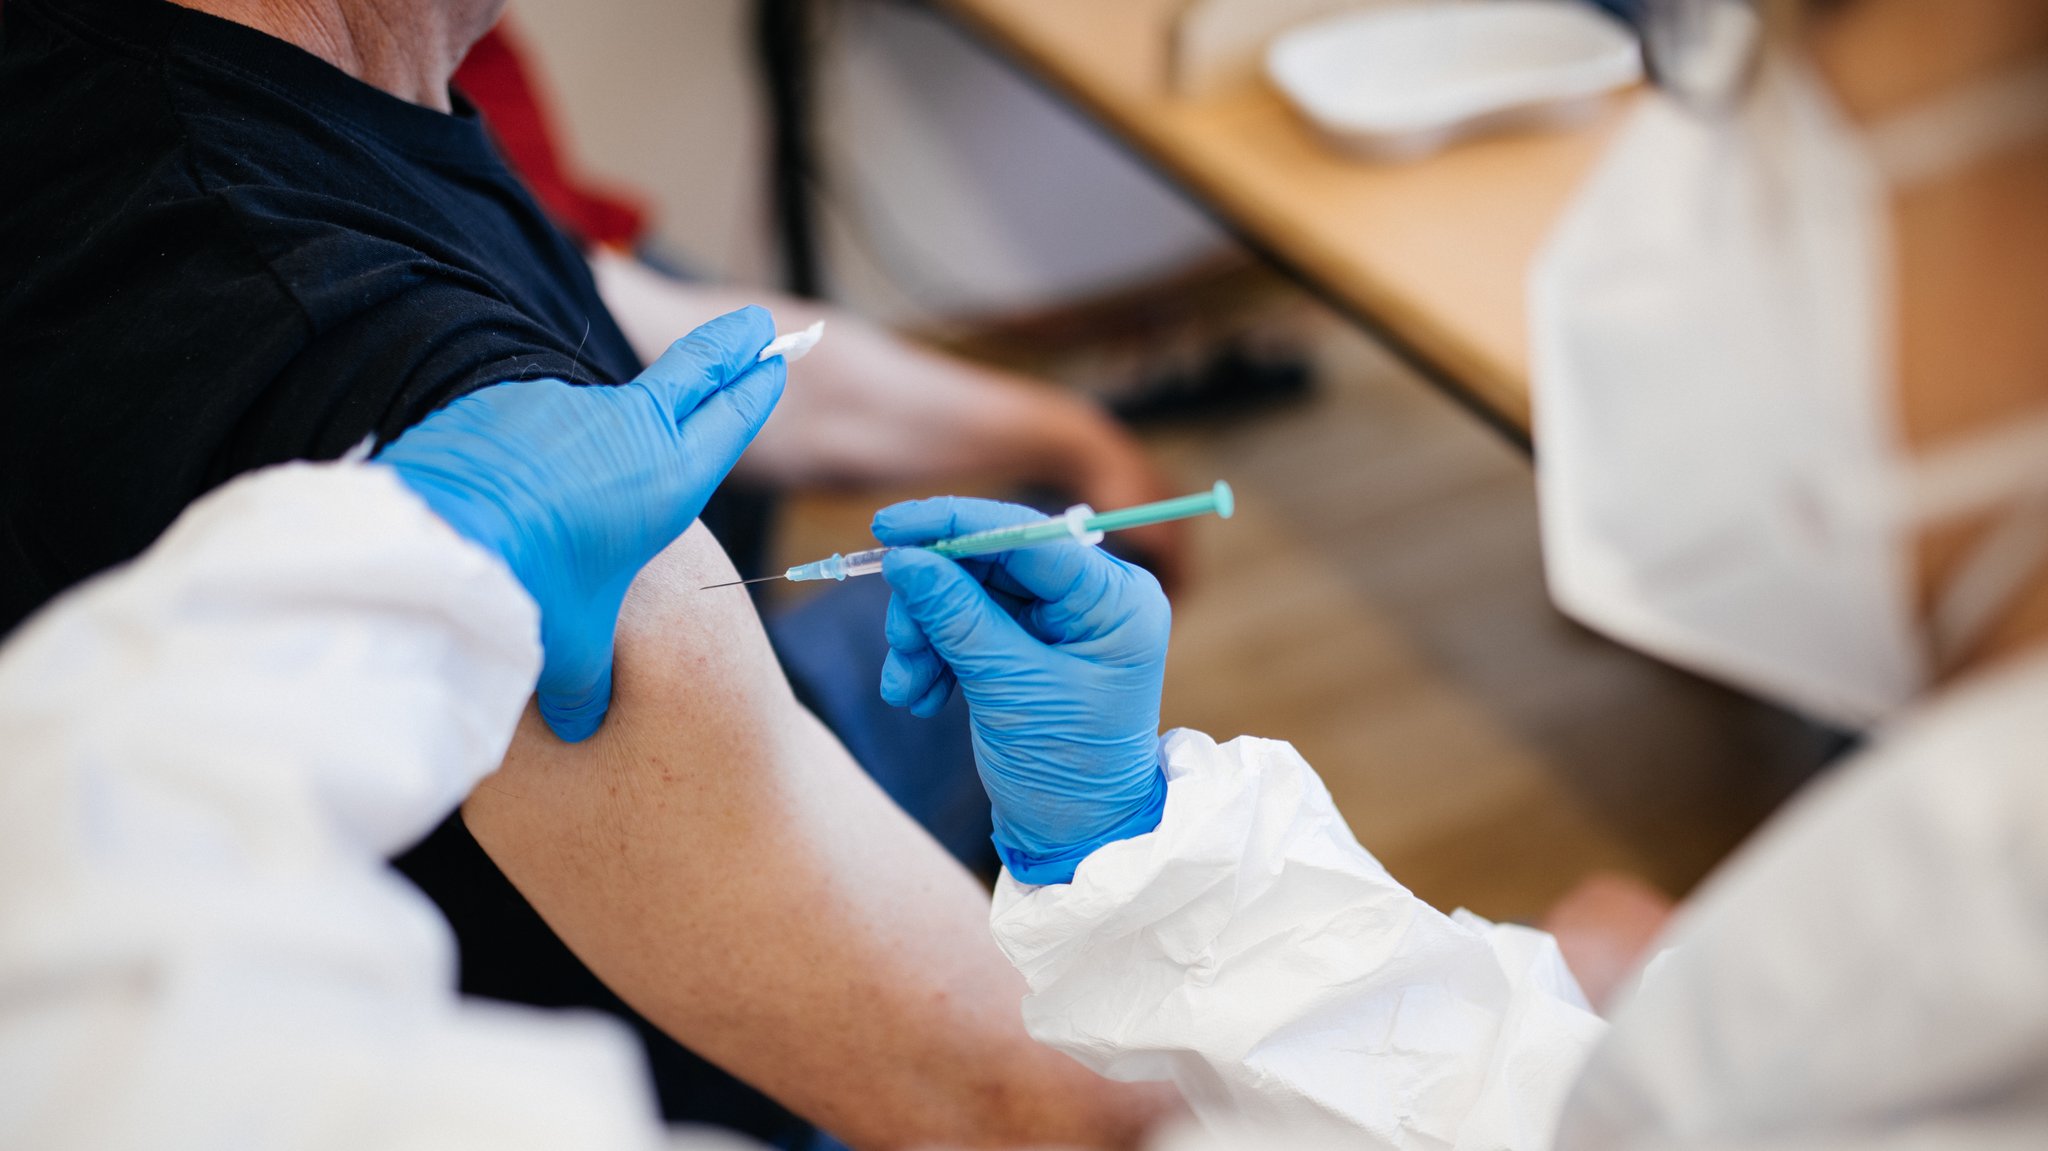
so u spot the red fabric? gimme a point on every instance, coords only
(495, 78)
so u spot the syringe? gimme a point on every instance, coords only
(1080, 523)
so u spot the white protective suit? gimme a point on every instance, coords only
(208, 757)
(1872, 971)
(210, 754)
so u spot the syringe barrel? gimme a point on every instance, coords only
(838, 567)
(1081, 524)
(1005, 539)
(868, 562)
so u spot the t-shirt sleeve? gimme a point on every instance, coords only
(383, 368)
(144, 384)
(130, 356)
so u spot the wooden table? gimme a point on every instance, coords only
(1432, 255)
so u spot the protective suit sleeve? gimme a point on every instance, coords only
(1253, 953)
(209, 753)
(1867, 971)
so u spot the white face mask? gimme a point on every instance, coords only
(1722, 477)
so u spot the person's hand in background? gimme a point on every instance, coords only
(876, 409)
(576, 488)
(1060, 652)
(1606, 927)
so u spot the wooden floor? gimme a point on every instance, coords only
(1378, 601)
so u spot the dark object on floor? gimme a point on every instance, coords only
(1236, 379)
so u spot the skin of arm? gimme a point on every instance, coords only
(719, 860)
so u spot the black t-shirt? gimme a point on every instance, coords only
(219, 252)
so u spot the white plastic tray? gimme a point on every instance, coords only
(1401, 81)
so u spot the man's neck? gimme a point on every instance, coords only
(408, 48)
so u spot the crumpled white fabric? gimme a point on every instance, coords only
(1250, 951)
(1867, 973)
(208, 754)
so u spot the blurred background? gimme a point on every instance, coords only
(1379, 598)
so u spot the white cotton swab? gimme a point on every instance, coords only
(794, 346)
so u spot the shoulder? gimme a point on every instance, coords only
(120, 266)
(85, 123)
(101, 196)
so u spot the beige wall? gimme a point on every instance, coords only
(957, 187)
(660, 93)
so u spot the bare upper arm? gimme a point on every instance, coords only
(718, 859)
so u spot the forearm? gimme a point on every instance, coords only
(881, 409)
(871, 407)
(884, 411)
(716, 857)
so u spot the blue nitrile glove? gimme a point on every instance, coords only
(1061, 651)
(578, 487)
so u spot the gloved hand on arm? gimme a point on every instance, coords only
(577, 488)
(1061, 653)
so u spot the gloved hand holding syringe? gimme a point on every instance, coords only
(1080, 523)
